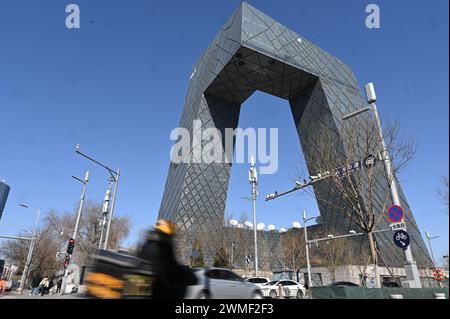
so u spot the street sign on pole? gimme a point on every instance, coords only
(402, 239)
(398, 226)
(370, 161)
(395, 213)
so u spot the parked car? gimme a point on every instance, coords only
(219, 283)
(344, 283)
(289, 288)
(259, 281)
(390, 284)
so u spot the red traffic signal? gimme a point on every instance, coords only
(438, 274)
(70, 246)
(66, 261)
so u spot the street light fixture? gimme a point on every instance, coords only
(75, 231)
(30, 250)
(410, 265)
(430, 238)
(115, 175)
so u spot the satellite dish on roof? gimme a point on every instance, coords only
(233, 222)
(240, 225)
(283, 230)
(296, 225)
(271, 227)
(248, 224)
(260, 226)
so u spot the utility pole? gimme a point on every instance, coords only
(429, 238)
(75, 230)
(115, 178)
(30, 250)
(253, 179)
(308, 264)
(412, 273)
(80, 208)
(105, 210)
(116, 185)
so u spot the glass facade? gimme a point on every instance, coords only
(253, 52)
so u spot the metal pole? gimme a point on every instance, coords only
(80, 209)
(113, 205)
(232, 255)
(16, 237)
(412, 273)
(30, 253)
(75, 231)
(253, 178)
(101, 232)
(255, 235)
(308, 265)
(431, 249)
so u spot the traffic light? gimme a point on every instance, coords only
(66, 261)
(438, 274)
(70, 246)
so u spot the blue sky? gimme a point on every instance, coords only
(117, 87)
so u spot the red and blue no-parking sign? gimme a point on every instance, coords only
(395, 213)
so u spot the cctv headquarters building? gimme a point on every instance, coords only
(254, 52)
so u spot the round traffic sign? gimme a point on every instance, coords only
(395, 213)
(402, 239)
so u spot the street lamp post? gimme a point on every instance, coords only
(113, 204)
(430, 238)
(308, 264)
(83, 195)
(30, 250)
(411, 270)
(115, 175)
(253, 179)
(75, 230)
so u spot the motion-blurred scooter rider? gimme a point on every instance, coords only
(158, 250)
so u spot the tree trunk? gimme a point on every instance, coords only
(373, 254)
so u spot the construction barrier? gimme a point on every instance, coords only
(344, 292)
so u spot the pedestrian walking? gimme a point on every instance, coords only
(58, 285)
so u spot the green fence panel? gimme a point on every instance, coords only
(344, 292)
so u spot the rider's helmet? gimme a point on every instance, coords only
(165, 226)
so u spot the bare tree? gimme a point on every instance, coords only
(43, 261)
(53, 234)
(349, 188)
(443, 192)
(334, 253)
(294, 251)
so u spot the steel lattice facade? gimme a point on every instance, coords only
(253, 52)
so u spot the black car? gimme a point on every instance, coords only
(343, 283)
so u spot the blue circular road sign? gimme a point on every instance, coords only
(402, 239)
(396, 213)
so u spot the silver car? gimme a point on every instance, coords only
(220, 283)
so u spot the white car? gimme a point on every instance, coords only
(220, 283)
(289, 289)
(259, 281)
